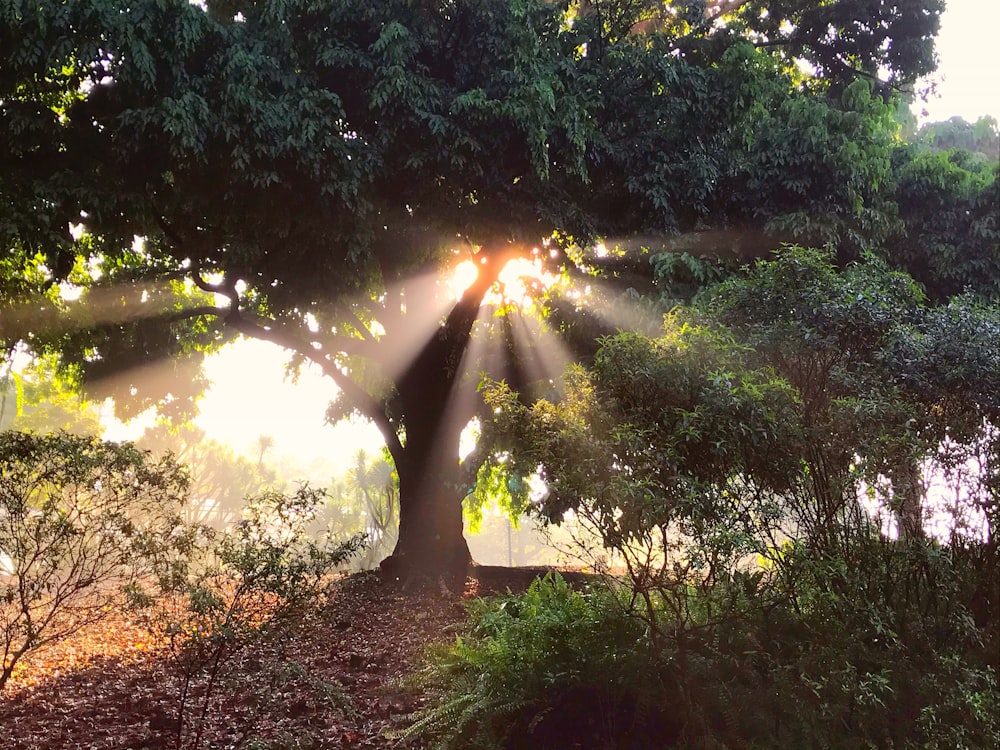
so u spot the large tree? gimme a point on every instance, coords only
(949, 238)
(292, 170)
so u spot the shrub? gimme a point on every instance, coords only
(544, 669)
(241, 591)
(846, 660)
(723, 463)
(81, 520)
(877, 652)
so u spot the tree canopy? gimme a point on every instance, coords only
(293, 170)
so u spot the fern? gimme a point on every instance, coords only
(525, 657)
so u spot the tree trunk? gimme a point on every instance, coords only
(431, 490)
(907, 498)
(430, 542)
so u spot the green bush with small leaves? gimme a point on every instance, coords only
(81, 521)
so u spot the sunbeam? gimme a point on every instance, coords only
(517, 283)
(522, 278)
(462, 277)
(96, 306)
(464, 402)
(747, 243)
(607, 303)
(545, 356)
(409, 314)
(412, 310)
(170, 384)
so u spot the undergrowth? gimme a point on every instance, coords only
(538, 667)
(821, 668)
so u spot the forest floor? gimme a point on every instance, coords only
(340, 683)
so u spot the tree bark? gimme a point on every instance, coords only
(431, 490)
(907, 498)
(430, 542)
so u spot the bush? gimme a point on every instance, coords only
(81, 520)
(240, 592)
(843, 661)
(877, 652)
(544, 669)
(723, 466)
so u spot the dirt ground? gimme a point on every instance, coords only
(112, 687)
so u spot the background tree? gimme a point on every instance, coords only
(375, 489)
(264, 444)
(981, 136)
(884, 379)
(307, 162)
(219, 479)
(949, 237)
(41, 399)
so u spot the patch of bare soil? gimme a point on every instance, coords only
(335, 685)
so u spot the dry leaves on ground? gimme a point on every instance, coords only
(335, 683)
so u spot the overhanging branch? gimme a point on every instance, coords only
(363, 401)
(359, 398)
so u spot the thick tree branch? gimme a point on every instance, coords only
(362, 326)
(828, 57)
(435, 368)
(360, 399)
(192, 312)
(363, 401)
(225, 287)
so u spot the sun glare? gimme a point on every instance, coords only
(516, 284)
(462, 277)
(521, 277)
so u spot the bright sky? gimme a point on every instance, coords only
(969, 71)
(251, 396)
